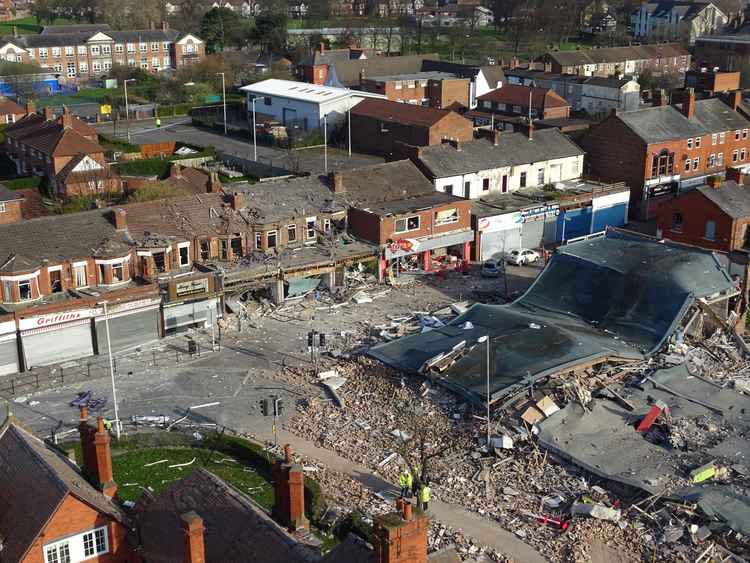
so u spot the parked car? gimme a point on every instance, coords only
(492, 268)
(521, 256)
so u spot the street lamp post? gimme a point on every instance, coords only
(127, 106)
(349, 127)
(224, 98)
(255, 140)
(111, 370)
(486, 339)
(325, 143)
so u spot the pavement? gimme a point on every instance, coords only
(180, 129)
(225, 387)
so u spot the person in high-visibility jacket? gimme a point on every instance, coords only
(158, 122)
(404, 481)
(424, 496)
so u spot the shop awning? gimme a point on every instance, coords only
(431, 243)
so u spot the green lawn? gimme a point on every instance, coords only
(131, 475)
(26, 26)
(145, 167)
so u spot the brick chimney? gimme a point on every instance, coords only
(30, 107)
(337, 182)
(175, 171)
(214, 184)
(289, 486)
(492, 135)
(735, 99)
(238, 200)
(120, 219)
(401, 536)
(514, 63)
(49, 115)
(67, 118)
(151, 25)
(192, 525)
(688, 103)
(735, 174)
(97, 457)
(714, 182)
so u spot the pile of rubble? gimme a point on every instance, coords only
(526, 490)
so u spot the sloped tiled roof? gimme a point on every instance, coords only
(78, 37)
(618, 54)
(391, 181)
(75, 28)
(730, 197)
(35, 480)
(349, 71)
(515, 94)
(53, 138)
(10, 107)
(406, 114)
(512, 149)
(657, 124)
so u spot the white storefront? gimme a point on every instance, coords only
(8, 348)
(131, 324)
(57, 337)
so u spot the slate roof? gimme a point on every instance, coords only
(392, 181)
(348, 71)
(513, 149)
(57, 238)
(658, 124)
(69, 38)
(10, 107)
(618, 54)
(8, 195)
(731, 198)
(35, 481)
(236, 529)
(412, 204)
(397, 112)
(75, 28)
(493, 73)
(515, 94)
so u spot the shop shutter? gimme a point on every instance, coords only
(128, 331)
(495, 244)
(8, 355)
(57, 346)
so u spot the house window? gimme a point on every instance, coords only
(310, 228)
(97, 66)
(720, 159)
(71, 70)
(165, 45)
(258, 240)
(95, 50)
(690, 143)
(58, 553)
(42, 53)
(697, 142)
(485, 184)
(735, 155)
(744, 134)
(722, 138)
(95, 542)
(267, 100)
(159, 261)
(55, 51)
(184, 251)
(82, 49)
(446, 217)
(236, 245)
(224, 249)
(737, 135)
(154, 46)
(327, 226)
(55, 280)
(540, 177)
(687, 165)
(743, 154)
(119, 48)
(696, 163)
(662, 164)
(25, 290)
(711, 160)
(522, 182)
(7, 291)
(714, 136)
(710, 233)
(131, 47)
(69, 51)
(106, 49)
(467, 189)
(118, 274)
(677, 222)
(2, 207)
(79, 275)
(143, 47)
(205, 250)
(271, 239)
(291, 233)
(78, 548)
(407, 224)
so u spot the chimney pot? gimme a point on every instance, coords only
(165, 26)
(192, 525)
(48, 113)
(287, 453)
(84, 413)
(408, 514)
(30, 107)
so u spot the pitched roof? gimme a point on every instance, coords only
(10, 107)
(236, 528)
(81, 37)
(397, 112)
(493, 73)
(517, 95)
(74, 28)
(392, 181)
(618, 54)
(663, 123)
(730, 197)
(512, 149)
(684, 9)
(53, 138)
(9, 195)
(349, 71)
(35, 480)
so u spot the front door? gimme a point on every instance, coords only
(505, 183)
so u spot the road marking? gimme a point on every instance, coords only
(244, 382)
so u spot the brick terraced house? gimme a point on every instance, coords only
(517, 100)
(65, 151)
(666, 149)
(83, 52)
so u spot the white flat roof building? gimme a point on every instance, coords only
(303, 105)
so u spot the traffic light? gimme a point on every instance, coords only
(322, 340)
(264, 407)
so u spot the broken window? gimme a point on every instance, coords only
(184, 255)
(79, 275)
(310, 228)
(224, 249)
(55, 281)
(159, 262)
(407, 224)
(205, 250)
(291, 233)
(237, 246)
(710, 233)
(446, 217)
(118, 273)
(258, 240)
(24, 289)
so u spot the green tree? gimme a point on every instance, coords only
(221, 27)
(270, 33)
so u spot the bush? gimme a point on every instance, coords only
(25, 182)
(146, 167)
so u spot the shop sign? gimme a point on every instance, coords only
(662, 189)
(55, 318)
(130, 306)
(404, 245)
(500, 222)
(7, 327)
(539, 212)
(191, 287)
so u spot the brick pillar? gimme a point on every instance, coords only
(426, 260)
(401, 536)
(192, 525)
(289, 488)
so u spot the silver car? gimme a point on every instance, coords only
(521, 256)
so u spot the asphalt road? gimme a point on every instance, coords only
(180, 129)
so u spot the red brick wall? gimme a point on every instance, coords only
(400, 543)
(73, 517)
(315, 74)
(426, 220)
(696, 210)
(453, 126)
(12, 213)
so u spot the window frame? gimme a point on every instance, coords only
(697, 142)
(186, 247)
(406, 220)
(291, 232)
(275, 234)
(76, 279)
(311, 232)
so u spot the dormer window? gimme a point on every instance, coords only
(114, 271)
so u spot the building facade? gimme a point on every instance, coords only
(660, 59)
(670, 20)
(90, 53)
(726, 52)
(434, 89)
(523, 101)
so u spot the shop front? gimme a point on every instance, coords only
(8, 348)
(539, 225)
(191, 303)
(131, 324)
(498, 235)
(425, 254)
(57, 337)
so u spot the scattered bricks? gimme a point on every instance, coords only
(648, 420)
